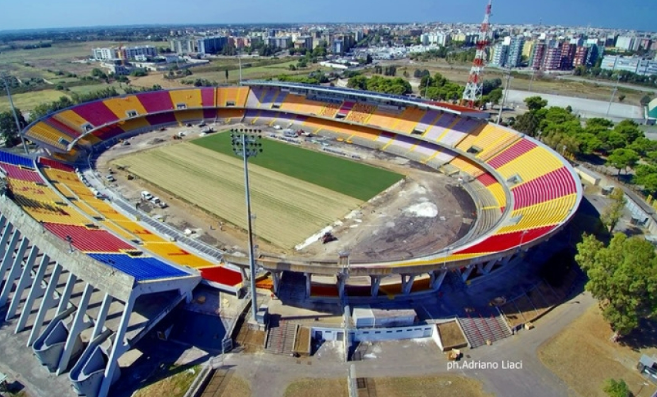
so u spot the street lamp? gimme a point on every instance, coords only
(239, 60)
(246, 143)
(613, 94)
(506, 91)
(13, 110)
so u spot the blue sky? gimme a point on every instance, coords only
(624, 14)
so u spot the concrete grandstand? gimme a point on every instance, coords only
(55, 226)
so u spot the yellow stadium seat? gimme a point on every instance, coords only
(360, 113)
(531, 165)
(122, 105)
(71, 119)
(409, 119)
(190, 98)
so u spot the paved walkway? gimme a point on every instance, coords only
(269, 375)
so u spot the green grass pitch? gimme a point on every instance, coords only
(348, 177)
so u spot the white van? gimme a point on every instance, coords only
(146, 196)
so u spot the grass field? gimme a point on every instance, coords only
(288, 210)
(417, 386)
(317, 388)
(583, 356)
(175, 385)
(429, 386)
(258, 72)
(344, 176)
(29, 100)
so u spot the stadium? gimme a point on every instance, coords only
(92, 273)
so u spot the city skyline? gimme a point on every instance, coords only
(635, 14)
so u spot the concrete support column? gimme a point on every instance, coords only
(48, 301)
(407, 283)
(489, 266)
(375, 284)
(437, 278)
(7, 233)
(102, 315)
(14, 271)
(68, 290)
(245, 274)
(342, 279)
(35, 292)
(75, 329)
(308, 283)
(466, 273)
(118, 348)
(276, 278)
(3, 221)
(23, 282)
(7, 259)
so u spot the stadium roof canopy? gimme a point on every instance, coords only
(376, 96)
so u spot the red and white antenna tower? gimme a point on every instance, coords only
(475, 86)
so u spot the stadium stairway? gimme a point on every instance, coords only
(479, 329)
(280, 337)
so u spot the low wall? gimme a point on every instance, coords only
(375, 334)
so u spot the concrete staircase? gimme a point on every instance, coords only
(280, 338)
(479, 329)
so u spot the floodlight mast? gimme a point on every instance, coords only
(13, 110)
(247, 144)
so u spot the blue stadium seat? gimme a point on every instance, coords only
(15, 159)
(146, 268)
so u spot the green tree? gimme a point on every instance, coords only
(98, 73)
(622, 159)
(614, 211)
(527, 123)
(357, 82)
(8, 130)
(535, 103)
(139, 72)
(645, 100)
(629, 129)
(616, 388)
(646, 176)
(622, 277)
(643, 146)
(621, 97)
(495, 95)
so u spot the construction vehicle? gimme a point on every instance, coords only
(454, 355)
(328, 237)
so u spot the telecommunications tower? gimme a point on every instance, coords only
(474, 88)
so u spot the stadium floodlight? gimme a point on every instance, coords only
(13, 110)
(246, 143)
